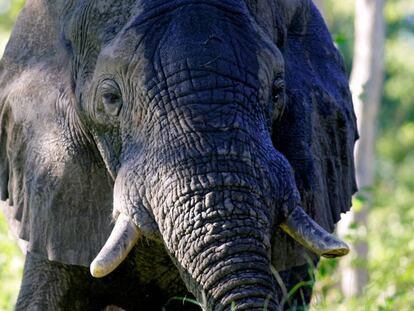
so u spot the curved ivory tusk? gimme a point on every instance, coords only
(123, 237)
(312, 236)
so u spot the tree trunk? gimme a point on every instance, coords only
(320, 5)
(366, 85)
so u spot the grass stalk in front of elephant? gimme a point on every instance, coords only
(184, 120)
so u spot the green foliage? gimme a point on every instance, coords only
(390, 232)
(9, 9)
(11, 263)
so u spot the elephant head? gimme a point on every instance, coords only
(206, 125)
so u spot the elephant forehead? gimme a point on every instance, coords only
(195, 30)
(147, 9)
(208, 37)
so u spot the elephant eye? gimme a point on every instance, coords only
(278, 89)
(111, 97)
(112, 103)
(278, 98)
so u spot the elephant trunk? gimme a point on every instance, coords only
(241, 281)
(217, 230)
(230, 272)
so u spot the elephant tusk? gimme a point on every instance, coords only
(312, 236)
(123, 237)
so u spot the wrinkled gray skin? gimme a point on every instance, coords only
(206, 122)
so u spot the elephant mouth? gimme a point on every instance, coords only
(298, 225)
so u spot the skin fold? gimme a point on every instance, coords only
(201, 128)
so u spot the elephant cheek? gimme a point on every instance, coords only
(131, 199)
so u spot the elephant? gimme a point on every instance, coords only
(155, 149)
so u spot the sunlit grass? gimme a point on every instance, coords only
(11, 266)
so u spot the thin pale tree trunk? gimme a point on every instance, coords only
(320, 5)
(366, 86)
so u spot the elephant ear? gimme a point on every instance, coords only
(317, 131)
(58, 192)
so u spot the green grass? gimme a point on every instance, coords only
(11, 266)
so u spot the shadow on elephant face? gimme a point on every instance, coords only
(201, 124)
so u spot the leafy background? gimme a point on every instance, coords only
(390, 233)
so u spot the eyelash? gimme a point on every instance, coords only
(111, 97)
